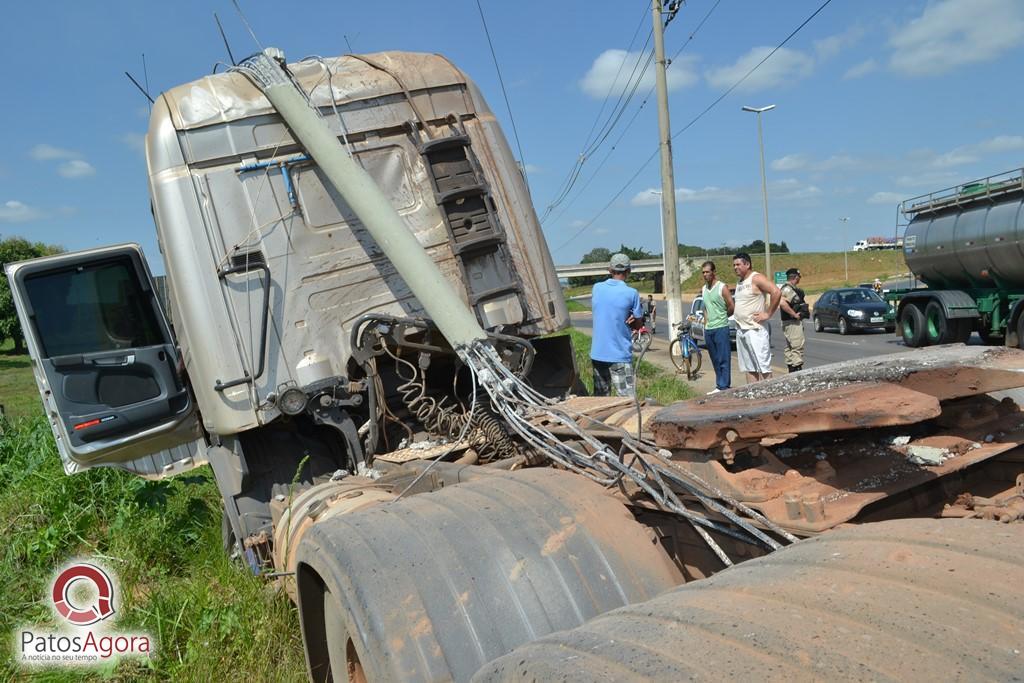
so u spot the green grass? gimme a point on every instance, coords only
(651, 381)
(18, 393)
(819, 271)
(576, 306)
(211, 618)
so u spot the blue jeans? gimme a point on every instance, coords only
(719, 348)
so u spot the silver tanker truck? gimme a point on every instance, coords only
(966, 243)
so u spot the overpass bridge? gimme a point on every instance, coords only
(687, 266)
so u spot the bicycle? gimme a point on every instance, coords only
(684, 352)
(641, 339)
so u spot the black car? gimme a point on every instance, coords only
(853, 308)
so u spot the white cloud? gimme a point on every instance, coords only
(578, 223)
(14, 211)
(953, 33)
(790, 162)
(929, 180)
(861, 70)
(76, 168)
(837, 162)
(784, 68)
(614, 71)
(46, 152)
(829, 47)
(969, 154)
(796, 162)
(137, 142)
(885, 198)
(790, 189)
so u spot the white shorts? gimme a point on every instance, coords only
(754, 349)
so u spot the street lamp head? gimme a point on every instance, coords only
(758, 110)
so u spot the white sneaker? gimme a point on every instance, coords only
(713, 391)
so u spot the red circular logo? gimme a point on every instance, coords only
(83, 616)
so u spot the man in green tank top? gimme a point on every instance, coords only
(718, 306)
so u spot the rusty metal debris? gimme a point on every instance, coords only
(1008, 506)
(808, 461)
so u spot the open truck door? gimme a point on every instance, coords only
(105, 362)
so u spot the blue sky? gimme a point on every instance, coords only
(876, 102)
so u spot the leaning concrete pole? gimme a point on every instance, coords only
(447, 310)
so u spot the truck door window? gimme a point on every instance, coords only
(98, 307)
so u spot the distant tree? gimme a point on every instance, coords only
(597, 255)
(16, 249)
(636, 253)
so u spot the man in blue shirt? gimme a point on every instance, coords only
(616, 308)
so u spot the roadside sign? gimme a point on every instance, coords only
(780, 277)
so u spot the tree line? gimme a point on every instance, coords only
(17, 249)
(603, 255)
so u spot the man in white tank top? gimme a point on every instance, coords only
(753, 345)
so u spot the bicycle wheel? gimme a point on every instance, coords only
(696, 358)
(675, 352)
(641, 341)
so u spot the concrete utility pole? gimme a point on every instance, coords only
(668, 190)
(846, 251)
(764, 192)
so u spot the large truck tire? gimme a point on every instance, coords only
(432, 587)
(938, 328)
(912, 326)
(906, 600)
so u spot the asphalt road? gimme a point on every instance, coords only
(822, 347)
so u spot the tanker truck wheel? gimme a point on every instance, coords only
(941, 330)
(912, 326)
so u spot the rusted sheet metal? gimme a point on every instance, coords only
(907, 600)
(809, 487)
(1006, 507)
(900, 388)
(437, 584)
(706, 424)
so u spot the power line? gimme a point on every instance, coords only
(515, 132)
(694, 120)
(589, 148)
(629, 124)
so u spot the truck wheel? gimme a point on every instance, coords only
(818, 327)
(1020, 332)
(894, 576)
(964, 328)
(844, 327)
(434, 586)
(938, 328)
(912, 326)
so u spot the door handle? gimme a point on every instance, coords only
(114, 361)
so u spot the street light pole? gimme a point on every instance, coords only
(764, 190)
(846, 250)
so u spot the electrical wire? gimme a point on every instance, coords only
(629, 124)
(501, 81)
(693, 121)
